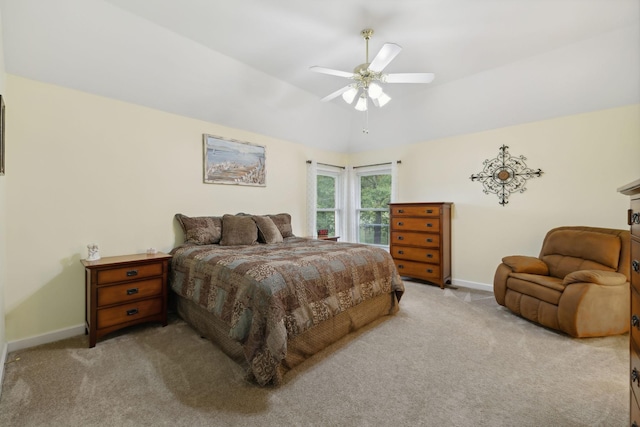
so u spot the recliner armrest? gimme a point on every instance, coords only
(526, 264)
(599, 277)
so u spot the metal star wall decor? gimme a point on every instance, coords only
(505, 175)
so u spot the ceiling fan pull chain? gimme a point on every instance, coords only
(365, 129)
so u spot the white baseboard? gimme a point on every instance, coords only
(472, 285)
(52, 336)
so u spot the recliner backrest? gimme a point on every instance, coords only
(568, 249)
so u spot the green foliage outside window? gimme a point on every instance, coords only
(373, 221)
(326, 194)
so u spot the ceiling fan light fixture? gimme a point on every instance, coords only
(375, 90)
(350, 95)
(382, 100)
(362, 103)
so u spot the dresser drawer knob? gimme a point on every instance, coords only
(634, 218)
(430, 240)
(400, 252)
(132, 273)
(132, 291)
(429, 224)
(400, 210)
(132, 312)
(635, 264)
(429, 210)
(400, 266)
(635, 321)
(400, 238)
(634, 376)
(400, 224)
(429, 270)
(429, 255)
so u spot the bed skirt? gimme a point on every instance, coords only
(300, 347)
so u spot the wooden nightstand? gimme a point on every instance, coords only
(333, 238)
(125, 290)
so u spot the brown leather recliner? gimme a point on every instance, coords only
(579, 284)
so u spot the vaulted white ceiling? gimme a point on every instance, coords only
(245, 63)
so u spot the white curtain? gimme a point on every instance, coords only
(350, 204)
(312, 195)
(394, 181)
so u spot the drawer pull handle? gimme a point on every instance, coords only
(635, 321)
(429, 255)
(429, 270)
(635, 218)
(400, 266)
(429, 224)
(635, 265)
(400, 252)
(635, 376)
(400, 223)
(430, 240)
(132, 273)
(132, 312)
(400, 238)
(429, 210)
(400, 210)
(132, 291)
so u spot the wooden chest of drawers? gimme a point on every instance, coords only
(125, 290)
(421, 240)
(633, 219)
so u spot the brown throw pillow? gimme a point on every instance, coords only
(238, 230)
(204, 230)
(283, 222)
(267, 230)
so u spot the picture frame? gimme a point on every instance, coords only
(233, 162)
(2, 139)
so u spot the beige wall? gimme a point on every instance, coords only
(585, 158)
(89, 169)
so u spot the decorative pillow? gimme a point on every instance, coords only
(204, 230)
(238, 230)
(283, 222)
(268, 232)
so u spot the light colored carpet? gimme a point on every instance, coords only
(448, 358)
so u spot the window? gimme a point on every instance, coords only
(373, 191)
(328, 196)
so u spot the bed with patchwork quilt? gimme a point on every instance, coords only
(274, 302)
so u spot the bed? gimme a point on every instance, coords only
(270, 299)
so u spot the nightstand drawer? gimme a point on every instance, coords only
(415, 254)
(417, 269)
(125, 292)
(128, 273)
(416, 224)
(415, 239)
(128, 312)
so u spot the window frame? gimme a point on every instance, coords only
(368, 171)
(339, 175)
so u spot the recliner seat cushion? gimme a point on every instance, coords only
(544, 288)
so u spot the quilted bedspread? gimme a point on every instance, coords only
(267, 293)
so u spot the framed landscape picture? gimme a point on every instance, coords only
(227, 161)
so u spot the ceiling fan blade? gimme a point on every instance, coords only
(332, 72)
(384, 57)
(336, 94)
(409, 78)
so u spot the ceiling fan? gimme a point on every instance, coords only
(368, 77)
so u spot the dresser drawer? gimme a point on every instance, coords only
(416, 224)
(128, 312)
(635, 373)
(424, 210)
(417, 269)
(635, 314)
(415, 254)
(635, 264)
(635, 412)
(129, 272)
(415, 239)
(635, 217)
(125, 292)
